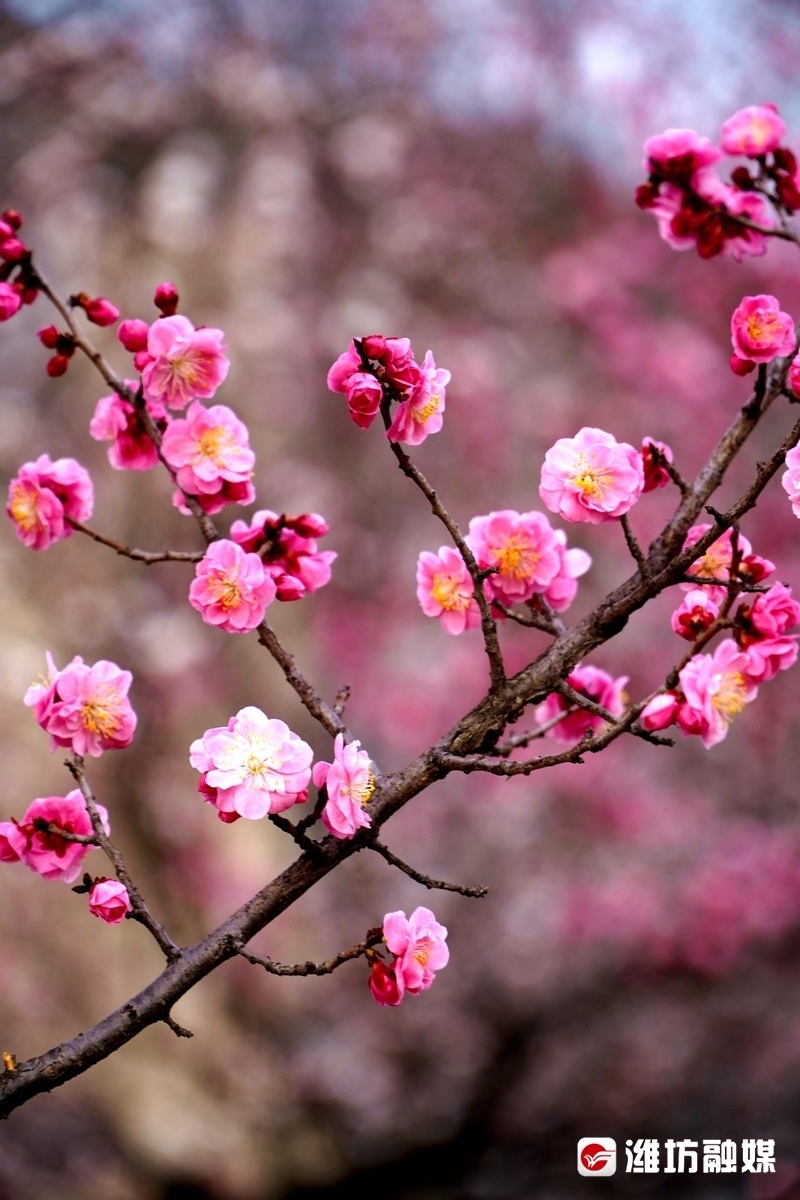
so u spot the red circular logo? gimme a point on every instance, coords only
(594, 1156)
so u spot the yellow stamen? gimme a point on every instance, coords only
(226, 590)
(445, 591)
(211, 442)
(362, 792)
(730, 696)
(101, 714)
(428, 409)
(23, 507)
(516, 558)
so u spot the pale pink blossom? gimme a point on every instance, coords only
(524, 549)
(27, 841)
(44, 496)
(421, 413)
(760, 332)
(118, 421)
(109, 900)
(185, 363)
(287, 547)
(591, 477)
(694, 615)
(445, 590)
(655, 474)
(790, 480)
(573, 563)
(255, 766)
(384, 985)
(231, 589)
(419, 945)
(716, 689)
(208, 448)
(349, 781)
(753, 131)
(84, 708)
(592, 683)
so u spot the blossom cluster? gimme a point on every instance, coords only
(377, 370)
(419, 949)
(23, 288)
(695, 207)
(45, 496)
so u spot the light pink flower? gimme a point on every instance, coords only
(109, 900)
(288, 549)
(790, 480)
(256, 765)
(350, 782)
(231, 589)
(572, 564)
(186, 363)
(694, 615)
(445, 590)
(591, 477)
(753, 131)
(116, 420)
(208, 448)
(418, 943)
(760, 332)
(593, 683)
(716, 688)
(524, 549)
(383, 984)
(44, 495)
(421, 414)
(84, 708)
(655, 475)
(51, 856)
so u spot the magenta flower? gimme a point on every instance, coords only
(524, 549)
(573, 563)
(256, 765)
(383, 984)
(679, 154)
(10, 301)
(288, 549)
(229, 493)
(208, 448)
(44, 496)
(364, 394)
(116, 420)
(655, 475)
(591, 477)
(109, 900)
(350, 782)
(186, 363)
(419, 946)
(445, 590)
(769, 615)
(84, 708)
(717, 560)
(753, 131)
(27, 841)
(760, 332)
(421, 414)
(231, 589)
(716, 688)
(593, 683)
(695, 614)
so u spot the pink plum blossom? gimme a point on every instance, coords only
(44, 496)
(349, 781)
(695, 614)
(364, 394)
(591, 477)
(253, 767)
(384, 985)
(28, 841)
(419, 945)
(207, 449)
(761, 626)
(660, 712)
(109, 900)
(185, 363)
(739, 241)
(716, 689)
(231, 589)
(768, 657)
(287, 547)
(84, 708)
(593, 683)
(10, 301)
(760, 332)
(445, 590)
(790, 480)
(573, 563)
(391, 359)
(655, 475)
(753, 131)
(716, 562)
(524, 549)
(421, 414)
(240, 492)
(116, 420)
(678, 154)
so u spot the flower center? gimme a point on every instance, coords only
(360, 792)
(430, 407)
(761, 327)
(729, 694)
(226, 590)
(421, 952)
(101, 713)
(517, 558)
(446, 590)
(588, 480)
(211, 443)
(255, 758)
(23, 507)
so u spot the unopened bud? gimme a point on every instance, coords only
(12, 249)
(48, 337)
(99, 311)
(741, 366)
(57, 365)
(166, 299)
(133, 335)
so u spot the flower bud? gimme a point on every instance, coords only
(166, 299)
(109, 900)
(383, 984)
(10, 301)
(12, 218)
(742, 179)
(100, 311)
(48, 337)
(57, 365)
(12, 249)
(741, 366)
(133, 335)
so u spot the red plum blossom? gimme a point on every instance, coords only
(656, 474)
(28, 840)
(591, 477)
(231, 589)
(695, 615)
(44, 496)
(185, 363)
(288, 549)
(255, 766)
(349, 781)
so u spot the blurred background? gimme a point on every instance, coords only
(461, 172)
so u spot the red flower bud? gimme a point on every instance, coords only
(741, 366)
(11, 217)
(48, 337)
(57, 365)
(133, 335)
(742, 178)
(99, 311)
(12, 249)
(166, 299)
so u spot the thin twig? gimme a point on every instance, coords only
(585, 702)
(177, 1029)
(425, 880)
(295, 832)
(518, 740)
(342, 696)
(140, 912)
(634, 547)
(42, 826)
(146, 556)
(314, 968)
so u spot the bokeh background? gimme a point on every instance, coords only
(461, 172)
